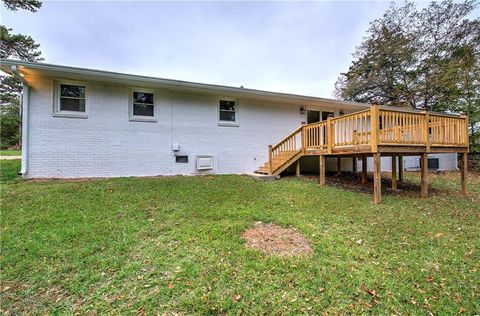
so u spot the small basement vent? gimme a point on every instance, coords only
(181, 159)
(204, 162)
(433, 163)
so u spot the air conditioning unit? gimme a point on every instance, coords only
(205, 162)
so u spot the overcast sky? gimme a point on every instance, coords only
(296, 47)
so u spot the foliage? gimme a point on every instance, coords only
(10, 152)
(419, 58)
(9, 125)
(30, 5)
(15, 46)
(172, 245)
(18, 46)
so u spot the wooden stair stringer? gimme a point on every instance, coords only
(288, 163)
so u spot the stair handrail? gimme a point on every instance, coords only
(287, 137)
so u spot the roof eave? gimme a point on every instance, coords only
(109, 76)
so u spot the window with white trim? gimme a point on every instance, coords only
(71, 98)
(227, 111)
(143, 104)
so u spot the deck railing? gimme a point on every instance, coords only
(390, 126)
(448, 130)
(315, 135)
(377, 126)
(401, 128)
(281, 152)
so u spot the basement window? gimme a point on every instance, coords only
(181, 159)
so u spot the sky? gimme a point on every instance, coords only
(292, 47)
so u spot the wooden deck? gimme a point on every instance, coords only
(375, 132)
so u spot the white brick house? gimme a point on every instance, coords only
(90, 123)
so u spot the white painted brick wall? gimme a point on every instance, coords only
(107, 144)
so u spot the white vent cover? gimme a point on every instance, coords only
(204, 162)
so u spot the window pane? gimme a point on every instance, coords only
(77, 105)
(325, 115)
(313, 116)
(227, 105)
(143, 109)
(142, 97)
(72, 91)
(227, 116)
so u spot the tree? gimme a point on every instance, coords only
(16, 46)
(30, 5)
(419, 58)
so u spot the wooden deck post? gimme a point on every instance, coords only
(375, 126)
(297, 168)
(270, 169)
(425, 129)
(377, 179)
(321, 179)
(400, 168)
(463, 172)
(394, 172)
(330, 136)
(339, 165)
(354, 165)
(364, 169)
(424, 174)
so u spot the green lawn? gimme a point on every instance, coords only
(172, 245)
(10, 152)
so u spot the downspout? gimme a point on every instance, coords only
(25, 102)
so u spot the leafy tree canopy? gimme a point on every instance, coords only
(419, 58)
(416, 58)
(30, 5)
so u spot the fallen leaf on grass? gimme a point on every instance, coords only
(236, 298)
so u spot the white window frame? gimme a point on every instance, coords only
(142, 118)
(228, 123)
(57, 112)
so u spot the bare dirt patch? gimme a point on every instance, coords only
(272, 239)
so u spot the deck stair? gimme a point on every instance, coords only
(284, 153)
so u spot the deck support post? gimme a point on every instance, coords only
(270, 157)
(463, 172)
(321, 179)
(339, 165)
(354, 165)
(400, 168)
(394, 172)
(297, 168)
(424, 174)
(377, 179)
(364, 169)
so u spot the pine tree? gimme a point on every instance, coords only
(15, 46)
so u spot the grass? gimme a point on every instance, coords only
(10, 152)
(172, 245)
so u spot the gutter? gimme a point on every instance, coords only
(25, 104)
